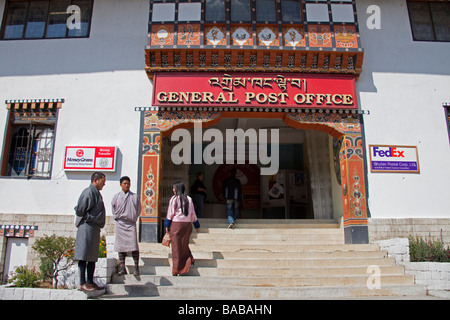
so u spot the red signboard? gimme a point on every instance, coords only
(87, 158)
(255, 90)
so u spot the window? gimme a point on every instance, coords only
(189, 11)
(317, 12)
(265, 10)
(30, 150)
(290, 11)
(430, 21)
(47, 19)
(215, 10)
(29, 141)
(167, 11)
(447, 116)
(240, 10)
(163, 12)
(342, 13)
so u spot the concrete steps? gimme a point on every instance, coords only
(268, 271)
(267, 259)
(245, 281)
(261, 292)
(158, 249)
(296, 263)
(271, 224)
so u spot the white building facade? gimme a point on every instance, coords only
(93, 85)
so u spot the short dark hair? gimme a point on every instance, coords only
(97, 176)
(124, 178)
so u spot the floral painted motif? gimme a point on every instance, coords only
(188, 34)
(345, 36)
(162, 35)
(319, 36)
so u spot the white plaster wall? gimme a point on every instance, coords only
(102, 80)
(403, 85)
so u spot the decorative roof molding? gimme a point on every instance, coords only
(32, 104)
(178, 60)
(250, 109)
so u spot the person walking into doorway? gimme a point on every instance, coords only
(232, 192)
(126, 209)
(180, 216)
(198, 192)
(90, 218)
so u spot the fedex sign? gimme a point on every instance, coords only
(394, 159)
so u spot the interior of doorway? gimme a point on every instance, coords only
(305, 186)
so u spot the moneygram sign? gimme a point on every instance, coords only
(273, 90)
(87, 158)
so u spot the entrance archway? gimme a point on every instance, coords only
(344, 126)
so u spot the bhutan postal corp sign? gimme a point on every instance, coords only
(272, 90)
(87, 158)
(394, 159)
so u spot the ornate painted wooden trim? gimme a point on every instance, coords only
(164, 60)
(302, 45)
(343, 126)
(28, 105)
(157, 124)
(346, 127)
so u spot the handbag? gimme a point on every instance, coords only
(166, 240)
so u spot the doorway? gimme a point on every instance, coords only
(16, 255)
(346, 161)
(304, 186)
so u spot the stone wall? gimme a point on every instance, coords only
(397, 248)
(40, 294)
(435, 276)
(104, 269)
(383, 229)
(60, 225)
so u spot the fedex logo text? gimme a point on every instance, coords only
(394, 158)
(391, 152)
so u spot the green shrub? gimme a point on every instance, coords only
(428, 250)
(102, 247)
(46, 268)
(58, 251)
(25, 277)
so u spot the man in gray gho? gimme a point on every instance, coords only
(126, 209)
(90, 218)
